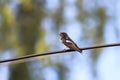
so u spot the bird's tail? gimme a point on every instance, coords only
(80, 50)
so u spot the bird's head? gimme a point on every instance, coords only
(63, 35)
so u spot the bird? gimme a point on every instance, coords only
(68, 42)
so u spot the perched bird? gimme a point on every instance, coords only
(68, 42)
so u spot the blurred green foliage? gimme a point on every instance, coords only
(23, 33)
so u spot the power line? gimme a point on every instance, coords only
(57, 52)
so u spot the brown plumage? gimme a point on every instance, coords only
(68, 42)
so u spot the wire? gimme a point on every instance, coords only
(57, 52)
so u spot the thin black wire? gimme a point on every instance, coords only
(57, 52)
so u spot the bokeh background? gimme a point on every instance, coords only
(32, 27)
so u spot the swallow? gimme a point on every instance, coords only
(68, 42)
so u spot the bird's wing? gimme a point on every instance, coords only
(70, 44)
